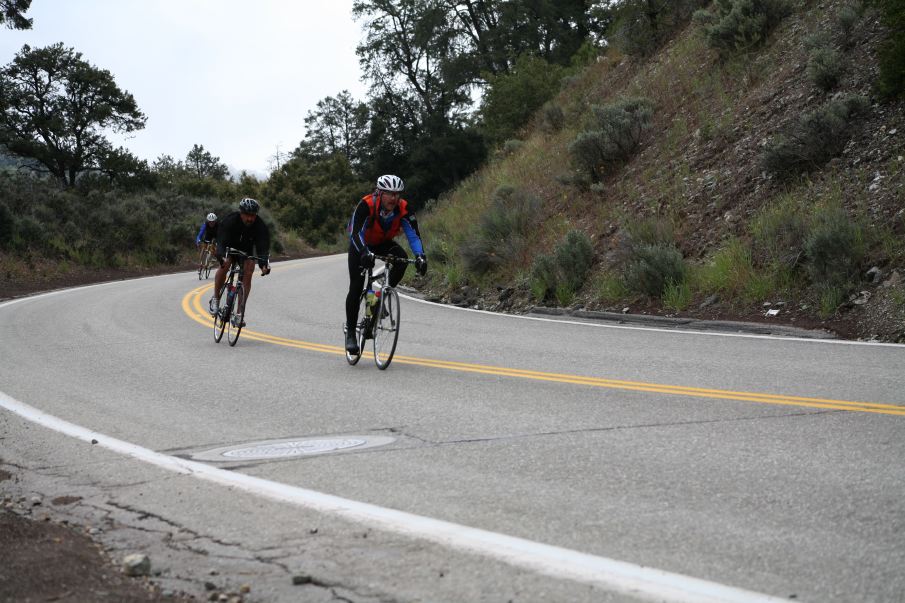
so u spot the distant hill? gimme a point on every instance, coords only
(699, 182)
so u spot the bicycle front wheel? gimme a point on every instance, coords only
(386, 328)
(236, 316)
(202, 264)
(208, 264)
(361, 328)
(220, 319)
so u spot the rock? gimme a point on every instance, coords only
(137, 564)
(874, 275)
(210, 586)
(245, 589)
(711, 299)
(861, 298)
(36, 501)
(894, 280)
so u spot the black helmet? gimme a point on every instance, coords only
(249, 206)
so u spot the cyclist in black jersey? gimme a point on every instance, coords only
(246, 231)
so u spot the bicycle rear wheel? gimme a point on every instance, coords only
(236, 316)
(361, 327)
(386, 328)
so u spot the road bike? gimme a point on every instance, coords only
(231, 315)
(207, 260)
(378, 314)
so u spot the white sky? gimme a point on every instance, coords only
(236, 76)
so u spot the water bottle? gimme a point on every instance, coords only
(229, 295)
(372, 301)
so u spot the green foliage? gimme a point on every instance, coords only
(825, 67)
(741, 25)
(817, 137)
(778, 234)
(614, 136)
(512, 98)
(642, 26)
(202, 164)
(552, 118)
(12, 14)
(610, 288)
(833, 249)
(891, 83)
(731, 272)
(315, 197)
(677, 296)
(502, 233)
(562, 273)
(574, 256)
(651, 268)
(55, 108)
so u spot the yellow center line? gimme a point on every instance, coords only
(193, 306)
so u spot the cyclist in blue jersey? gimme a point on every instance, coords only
(377, 220)
(208, 230)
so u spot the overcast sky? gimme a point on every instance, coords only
(236, 76)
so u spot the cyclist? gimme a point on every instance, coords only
(245, 231)
(208, 230)
(377, 220)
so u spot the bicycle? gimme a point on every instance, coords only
(378, 314)
(207, 260)
(231, 315)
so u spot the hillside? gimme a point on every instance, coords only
(822, 243)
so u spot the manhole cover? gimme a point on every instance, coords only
(290, 448)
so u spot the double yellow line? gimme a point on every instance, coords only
(193, 305)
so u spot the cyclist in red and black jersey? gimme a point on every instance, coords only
(377, 220)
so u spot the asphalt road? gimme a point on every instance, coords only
(512, 459)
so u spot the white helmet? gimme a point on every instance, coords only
(212, 217)
(390, 183)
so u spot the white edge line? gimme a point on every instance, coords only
(653, 329)
(619, 576)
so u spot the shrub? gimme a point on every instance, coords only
(817, 137)
(564, 272)
(891, 83)
(825, 67)
(574, 258)
(652, 268)
(778, 235)
(512, 146)
(552, 117)
(544, 278)
(833, 249)
(502, 232)
(641, 26)
(741, 25)
(614, 137)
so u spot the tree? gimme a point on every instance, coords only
(11, 14)
(204, 165)
(55, 107)
(338, 125)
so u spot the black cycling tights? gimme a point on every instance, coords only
(357, 280)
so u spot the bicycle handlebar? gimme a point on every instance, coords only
(392, 259)
(233, 251)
